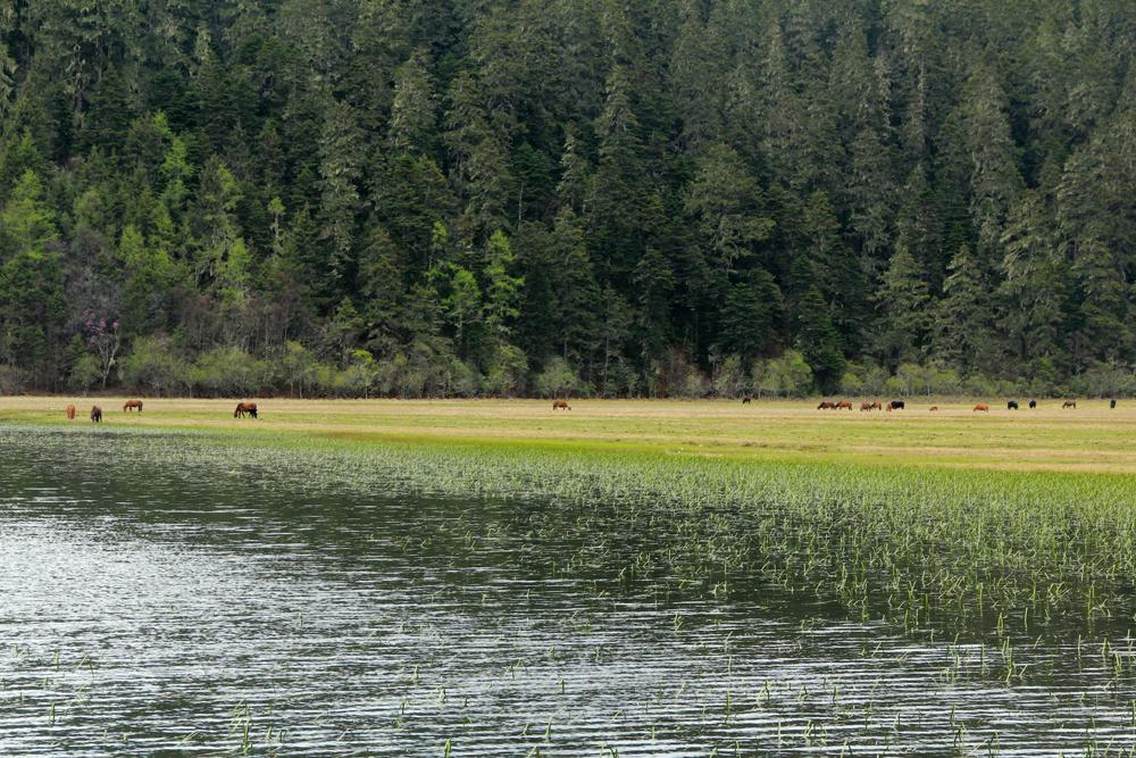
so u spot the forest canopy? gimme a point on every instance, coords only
(611, 197)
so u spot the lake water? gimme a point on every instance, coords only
(158, 595)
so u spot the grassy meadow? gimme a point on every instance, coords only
(1090, 439)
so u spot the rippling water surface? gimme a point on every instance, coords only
(217, 605)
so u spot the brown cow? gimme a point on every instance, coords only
(561, 405)
(981, 407)
(1069, 404)
(843, 405)
(96, 414)
(934, 409)
(826, 405)
(747, 399)
(71, 413)
(132, 405)
(245, 408)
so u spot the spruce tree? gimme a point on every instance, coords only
(903, 299)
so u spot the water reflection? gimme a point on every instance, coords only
(209, 605)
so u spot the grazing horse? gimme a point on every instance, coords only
(71, 413)
(245, 408)
(981, 407)
(1112, 403)
(747, 400)
(1069, 404)
(561, 405)
(843, 405)
(1012, 405)
(896, 405)
(96, 414)
(1032, 404)
(131, 405)
(934, 409)
(826, 405)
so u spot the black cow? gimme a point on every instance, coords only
(1012, 405)
(896, 405)
(1032, 404)
(747, 400)
(1112, 403)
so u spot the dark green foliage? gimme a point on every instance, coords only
(462, 197)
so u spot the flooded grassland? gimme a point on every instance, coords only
(206, 592)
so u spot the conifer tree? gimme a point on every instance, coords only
(904, 299)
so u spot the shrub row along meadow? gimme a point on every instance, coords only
(155, 367)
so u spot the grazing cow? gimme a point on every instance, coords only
(747, 400)
(843, 405)
(934, 409)
(1032, 404)
(1069, 404)
(1012, 405)
(96, 414)
(132, 405)
(826, 405)
(896, 405)
(244, 409)
(71, 413)
(867, 406)
(1112, 403)
(561, 405)
(981, 407)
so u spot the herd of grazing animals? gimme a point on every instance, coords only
(243, 409)
(898, 405)
(249, 409)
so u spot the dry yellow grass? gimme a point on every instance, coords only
(1091, 438)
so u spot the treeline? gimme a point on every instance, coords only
(611, 197)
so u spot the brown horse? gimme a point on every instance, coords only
(1069, 404)
(981, 407)
(561, 405)
(71, 413)
(132, 405)
(843, 405)
(245, 408)
(96, 414)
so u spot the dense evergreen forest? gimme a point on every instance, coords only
(616, 197)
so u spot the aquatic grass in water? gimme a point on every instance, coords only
(935, 549)
(1003, 573)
